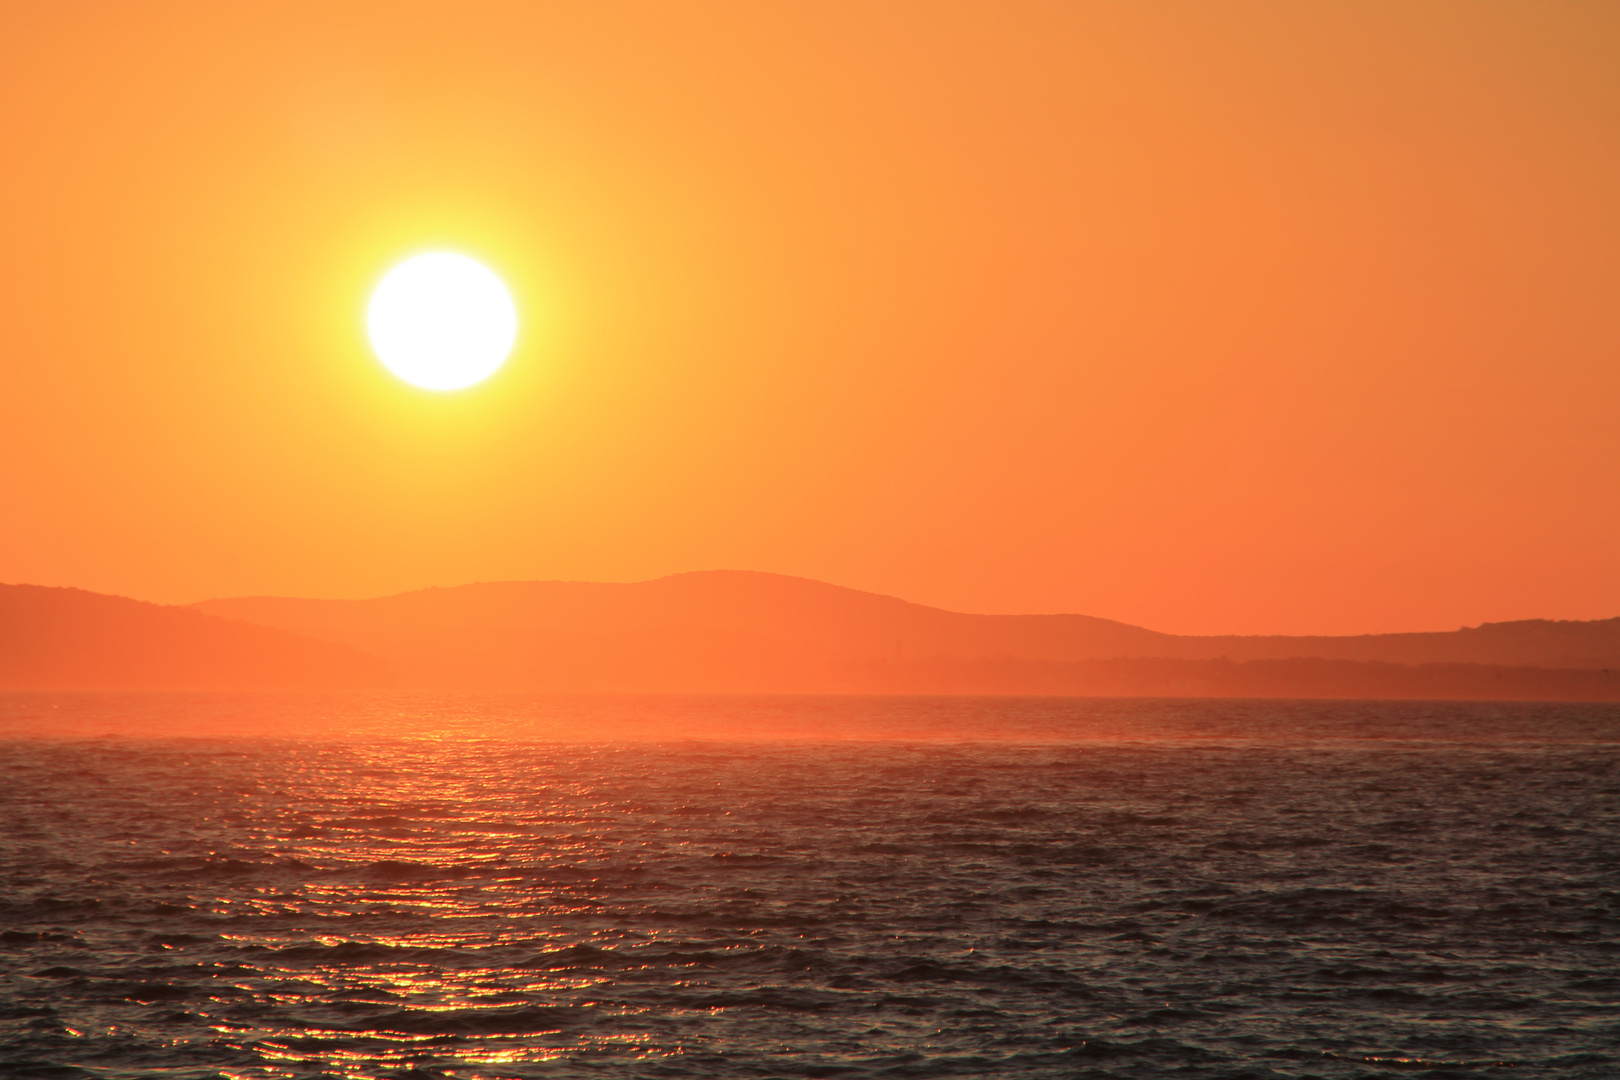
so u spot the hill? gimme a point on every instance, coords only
(68, 639)
(743, 631)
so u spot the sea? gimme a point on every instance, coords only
(484, 886)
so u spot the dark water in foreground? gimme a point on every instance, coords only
(486, 888)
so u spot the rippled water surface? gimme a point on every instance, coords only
(300, 887)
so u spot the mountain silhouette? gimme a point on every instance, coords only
(742, 631)
(61, 639)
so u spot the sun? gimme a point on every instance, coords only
(441, 321)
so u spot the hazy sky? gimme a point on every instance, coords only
(1242, 317)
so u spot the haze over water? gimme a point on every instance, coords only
(443, 886)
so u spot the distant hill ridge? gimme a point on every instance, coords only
(745, 630)
(61, 639)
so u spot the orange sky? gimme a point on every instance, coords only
(1242, 317)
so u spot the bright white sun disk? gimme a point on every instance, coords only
(441, 321)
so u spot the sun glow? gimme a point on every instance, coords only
(441, 321)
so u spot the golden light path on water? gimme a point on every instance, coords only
(472, 849)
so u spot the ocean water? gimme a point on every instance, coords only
(493, 887)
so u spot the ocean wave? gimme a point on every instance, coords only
(473, 910)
